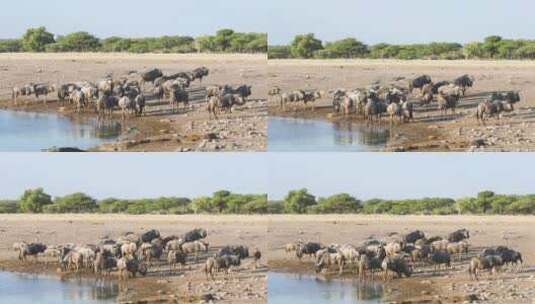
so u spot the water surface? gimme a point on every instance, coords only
(292, 134)
(24, 131)
(301, 289)
(42, 289)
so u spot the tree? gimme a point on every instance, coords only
(223, 39)
(304, 46)
(36, 39)
(79, 42)
(76, 203)
(338, 203)
(297, 201)
(347, 48)
(33, 200)
(491, 44)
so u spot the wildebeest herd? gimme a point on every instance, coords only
(140, 253)
(128, 93)
(376, 101)
(401, 255)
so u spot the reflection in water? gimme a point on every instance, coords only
(295, 288)
(23, 131)
(290, 134)
(32, 288)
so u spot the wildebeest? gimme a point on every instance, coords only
(149, 235)
(448, 99)
(413, 236)
(175, 257)
(194, 235)
(309, 248)
(327, 259)
(459, 235)
(488, 262)
(128, 249)
(78, 98)
(396, 264)
(199, 73)
(127, 106)
(127, 266)
(419, 82)
(213, 106)
(239, 250)
(243, 90)
(194, 247)
(149, 75)
(31, 249)
(441, 258)
(178, 95)
(464, 82)
(227, 101)
(458, 248)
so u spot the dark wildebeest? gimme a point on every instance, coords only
(149, 75)
(309, 248)
(194, 235)
(130, 265)
(509, 256)
(490, 262)
(148, 236)
(240, 250)
(511, 96)
(396, 264)
(419, 82)
(243, 90)
(464, 82)
(459, 235)
(414, 236)
(32, 249)
(179, 95)
(441, 257)
(227, 101)
(199, 73)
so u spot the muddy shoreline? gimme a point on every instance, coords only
(403, 138)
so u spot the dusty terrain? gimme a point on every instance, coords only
(431, 131)
(425, 286)
(160, 130)
(189, 284)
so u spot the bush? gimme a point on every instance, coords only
(36, 39)
(74, 203)
(34, 200)
(10, 45)
(7, 206)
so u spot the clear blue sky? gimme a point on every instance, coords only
(364, 175)
(132, 175)
(394, 175)
(133, 18)
(404, 21)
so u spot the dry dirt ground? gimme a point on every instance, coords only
(187, 285)
(431, 130)
(159, 130)
(425, 286)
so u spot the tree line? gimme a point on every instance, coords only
(298, 201)
(220, 202)
(224, 41)
(307, 46)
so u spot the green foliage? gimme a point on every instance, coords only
(338, 203)
(8, 206)
(77, 42)
(34, 200)
(275, 207)
(73, 203)
(36, 39)
(493, 47)
(10, 45)
(304, 46)
(345, 48)
(297, 201)
(224, 41)
(279, 52)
